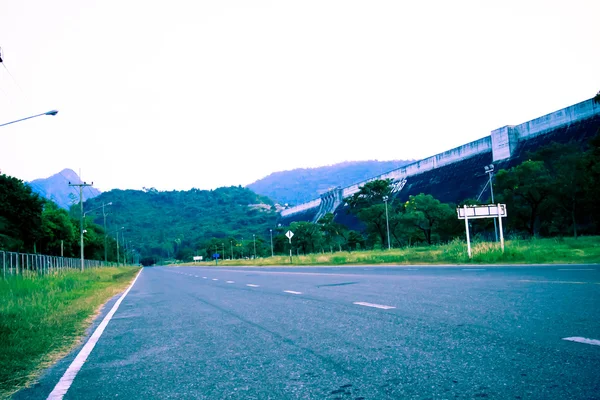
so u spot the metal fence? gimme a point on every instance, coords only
(13, 263)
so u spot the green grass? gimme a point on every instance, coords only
(44, 317)
(530, 251)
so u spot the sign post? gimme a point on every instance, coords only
(467, 230)
(483, 211)
(289, 235)
(500, 226)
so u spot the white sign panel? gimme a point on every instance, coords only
(485, 211)
(289, 234)
(197, 258)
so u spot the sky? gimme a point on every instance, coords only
(204, 94)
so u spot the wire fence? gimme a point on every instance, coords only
(14, 264)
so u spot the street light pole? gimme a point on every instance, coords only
(387, 223)
(231, 244)
(271, 230)
(52, 112)
(254, 239)
(489, 169)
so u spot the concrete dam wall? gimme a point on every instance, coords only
(458, 174)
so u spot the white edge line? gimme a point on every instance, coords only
(578, 339)
(252, 285)
(362, 303)
(65, 382)
(291, 292)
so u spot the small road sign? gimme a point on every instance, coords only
(289, 234)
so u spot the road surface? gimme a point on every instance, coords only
(347, 333)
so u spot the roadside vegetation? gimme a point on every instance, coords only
(32, 224)
(525, 251)
(43, 317)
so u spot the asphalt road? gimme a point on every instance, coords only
(281, 333)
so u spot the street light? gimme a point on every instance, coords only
(271, 230)
(254, 239)
(489, 169)
(231, 244)
(387, 223)
(52, 112)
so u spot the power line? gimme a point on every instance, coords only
(11, 76)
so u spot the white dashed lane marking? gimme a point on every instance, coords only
(204, 277)
(578, 339)
(362, 303)
(252, 285)
(576, 269)
(230, 282)
(215, 279)
(291, 292)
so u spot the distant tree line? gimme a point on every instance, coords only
(32, 224)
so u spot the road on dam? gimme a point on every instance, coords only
(346, 333)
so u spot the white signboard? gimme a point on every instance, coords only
(289, 234)
(484, 211)
(197, 258)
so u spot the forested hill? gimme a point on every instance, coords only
(304, 184)
(163, 225)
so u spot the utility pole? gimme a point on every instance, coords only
(254, 239)
(105, 234)
(489, 169)
(81, 186)
(271, 230)
(117, 248)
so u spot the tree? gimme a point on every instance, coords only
(526, 189)
(427, 214)
(20, 215)
(370, 193)
(57, 230)
(307, 236)
(333, 233)
(570, 181)
(368, 205)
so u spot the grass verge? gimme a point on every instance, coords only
(43, 317)
(531, 251)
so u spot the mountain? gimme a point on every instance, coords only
(169, 224)
(57, 189)
(304, 184)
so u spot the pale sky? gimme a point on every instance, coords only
(181, 94)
